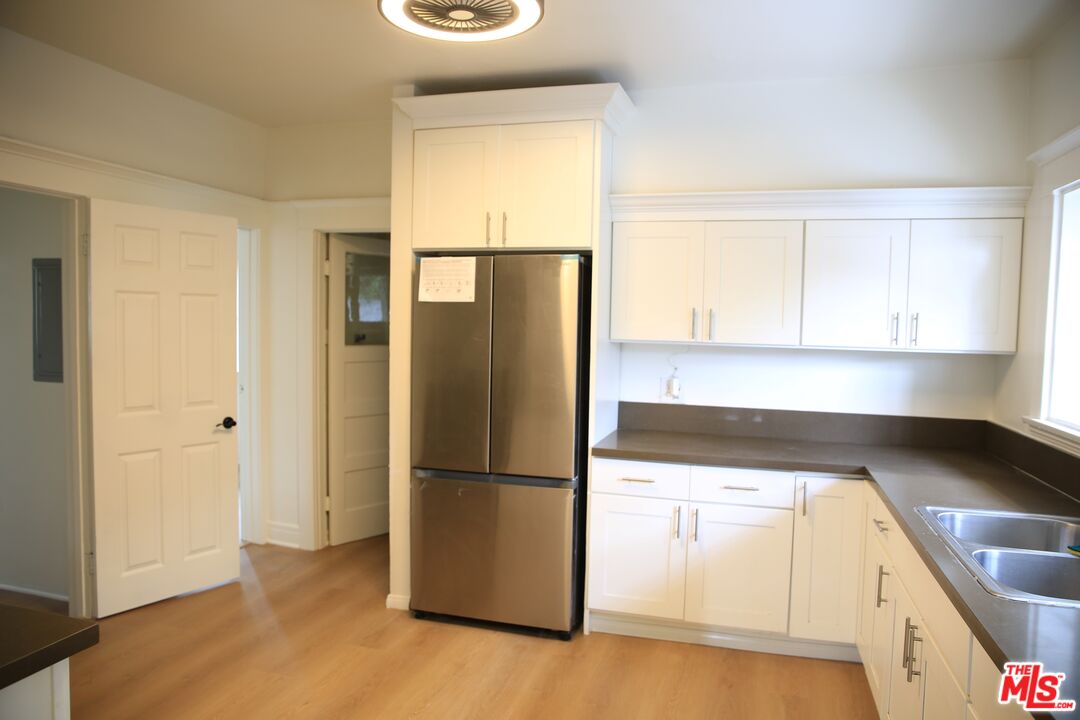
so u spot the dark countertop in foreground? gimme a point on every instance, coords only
(31, 640)
(906, 478)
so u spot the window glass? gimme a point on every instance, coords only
(1064, 395)
(367, 299)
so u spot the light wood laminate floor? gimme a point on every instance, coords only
(307, 635)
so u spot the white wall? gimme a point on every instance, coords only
(955, 126)
(330, 161)
(33, 474)
(1055, 83)
(52, 98)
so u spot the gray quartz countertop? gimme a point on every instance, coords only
(906, 478)
(31, 640)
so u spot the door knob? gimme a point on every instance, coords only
(228, 423)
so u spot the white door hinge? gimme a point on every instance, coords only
(326, 268)
(91, 563)
(84, 245)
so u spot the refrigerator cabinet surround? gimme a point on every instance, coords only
(535, 365)
(451, 382)
(493, 551)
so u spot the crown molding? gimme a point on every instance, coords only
(607, 102)
(970, 202)
(1056, 148)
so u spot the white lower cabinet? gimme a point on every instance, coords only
(825, 566)
(738, 568)
(637, 555)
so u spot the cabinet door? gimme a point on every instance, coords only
(637, 555)
(738, 567)
(906, 691)
(963, 292)
(825, 567)
(879, 667)
(864, 627)
(753, 282)
(657, 281)
(546, 193)
(985, 685)
(455, 175)
(943, 698)
(855, 292)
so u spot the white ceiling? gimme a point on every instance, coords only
(284, 62)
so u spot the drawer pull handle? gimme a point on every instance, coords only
(747, 488)
(881, 574)
(882, 527)
(638, 480)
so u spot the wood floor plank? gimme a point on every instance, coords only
(307, 635)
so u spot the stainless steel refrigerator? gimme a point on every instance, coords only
(498, 428)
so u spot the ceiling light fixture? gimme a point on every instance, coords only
(463, 20)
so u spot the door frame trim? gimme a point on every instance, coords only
(253, 490)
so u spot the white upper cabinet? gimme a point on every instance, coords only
(657, 281)
(753, 282)
(517, 186)
(856, 283)
(718, 282)
(964, 285)
(825, 564)
(455, 177)
(546, 185)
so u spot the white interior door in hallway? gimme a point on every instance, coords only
(163, 382)
(358, 377)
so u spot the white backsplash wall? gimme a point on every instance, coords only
(926, 385)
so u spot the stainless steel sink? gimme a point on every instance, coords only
(1014, 555)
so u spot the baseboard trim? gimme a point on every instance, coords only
(773, 644)
(35, 593)
(397, 602)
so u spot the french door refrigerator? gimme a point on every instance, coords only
(498, 449)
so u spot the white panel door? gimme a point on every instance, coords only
(637, 555)
(964, 286)
(825, 566)
(163, 376)
(546, 185)
(455, 177)
(753, 282)
(358, 374)
(657, 279)
(855, 285)
(738, 567)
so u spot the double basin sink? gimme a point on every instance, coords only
(1014, 555)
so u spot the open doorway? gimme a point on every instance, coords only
(358, 386)
(39, 265)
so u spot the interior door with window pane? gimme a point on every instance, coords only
(359, 385)
(163, 384)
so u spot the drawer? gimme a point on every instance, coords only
(644, 479)
(881, 521)
(739, 486)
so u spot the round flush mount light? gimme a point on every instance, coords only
(463, 20)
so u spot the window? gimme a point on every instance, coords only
(1061, 400)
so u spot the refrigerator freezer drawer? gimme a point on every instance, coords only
(493, 551)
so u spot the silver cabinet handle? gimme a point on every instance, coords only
(693, 323)
(882, 527)
(915, 330)
(895, 328)
(879, 601)
(907, 644)
(489, 229)
(678, 520)
(746, 488)
(504, 230)
(637, 480)
(805, 492)
(709, 327)
(911, 671)
(693, 522)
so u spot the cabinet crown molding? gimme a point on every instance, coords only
(607, 102)
(886, 203)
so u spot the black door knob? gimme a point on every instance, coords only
(228, 423)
